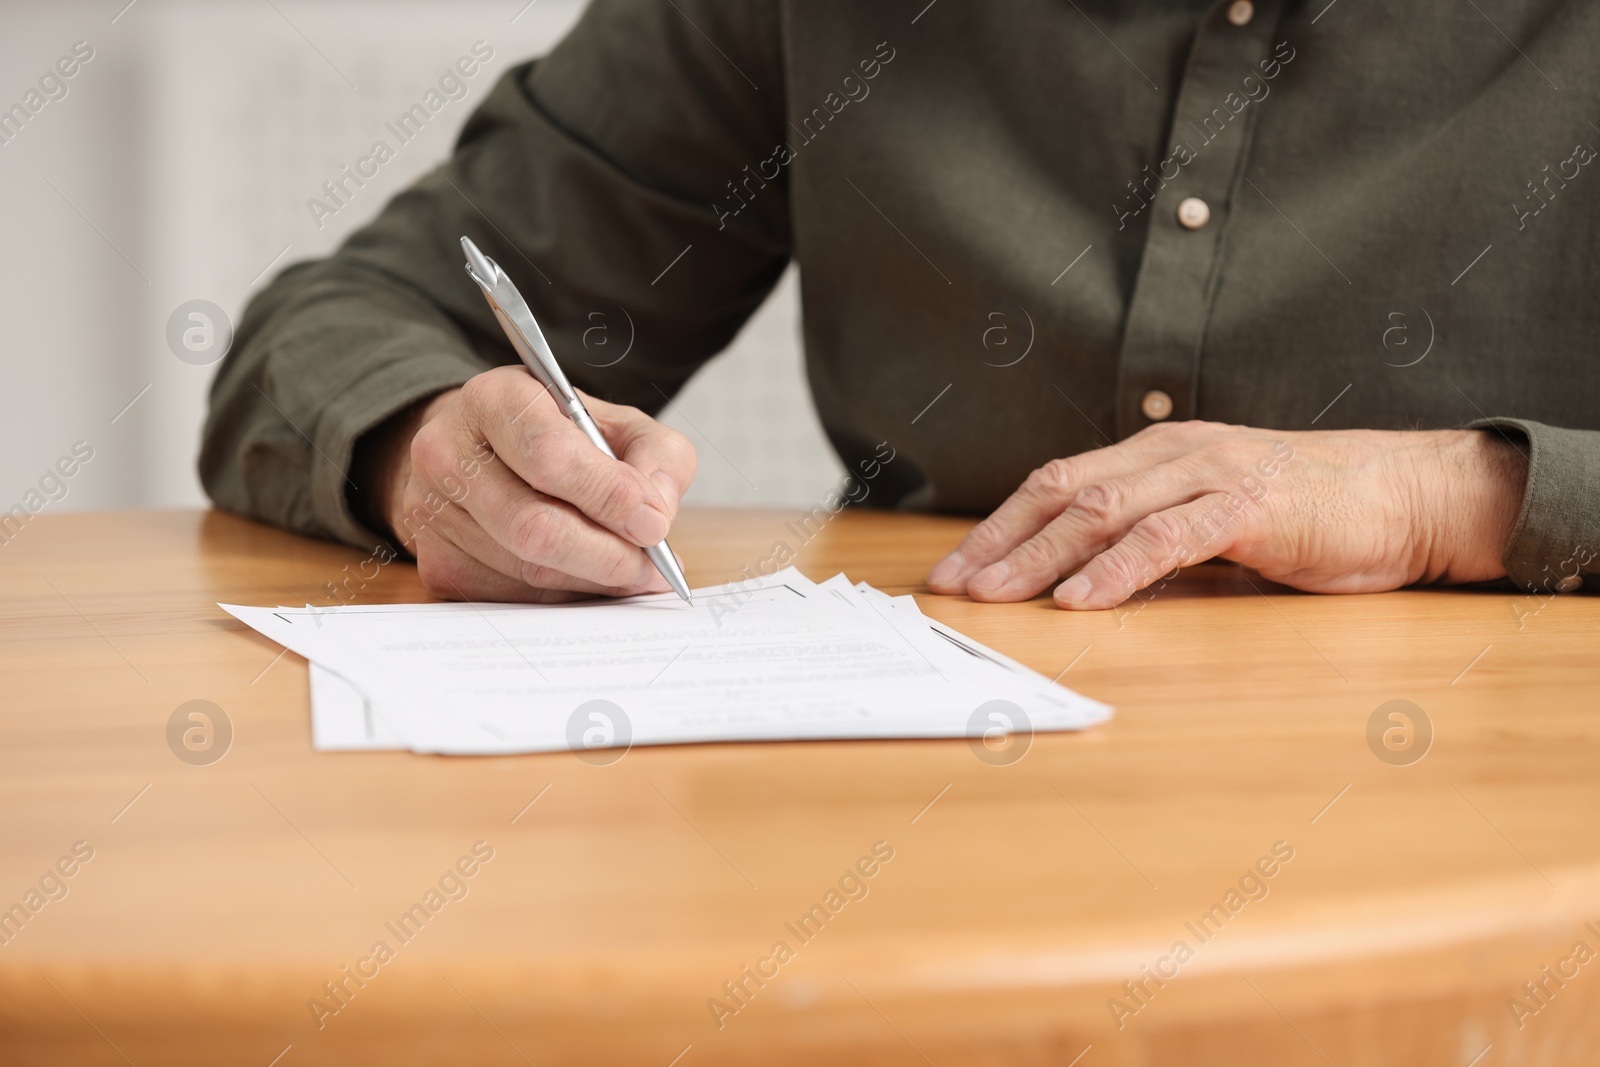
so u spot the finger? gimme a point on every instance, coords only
(1157, 544)
(454, 548)
(1041, 497)
(542, 447)
(492, 515)
(661, 453)
(470, 538)
(453, 575)
(1097, 517)
(545, 535)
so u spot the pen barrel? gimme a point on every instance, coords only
(667, 564)
(659, 554)
(585, 422)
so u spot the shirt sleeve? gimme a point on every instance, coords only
(590, 176)
(1555, 544)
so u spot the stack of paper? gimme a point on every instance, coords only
(773, 658)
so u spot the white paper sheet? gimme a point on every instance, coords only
(342, 718)
(776, 658)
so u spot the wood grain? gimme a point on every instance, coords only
(1018, 901)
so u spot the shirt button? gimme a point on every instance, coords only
(1240, 12)
(1193, 213)
(1156, 405)
(1570, 584)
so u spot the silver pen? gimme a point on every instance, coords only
(526, 337)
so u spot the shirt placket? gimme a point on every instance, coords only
(1187, 197)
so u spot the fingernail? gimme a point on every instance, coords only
(669, 489)
(1075, 590)
(947, 570)
(989, 580)
(646, 526)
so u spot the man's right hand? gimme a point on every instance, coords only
(501, 497)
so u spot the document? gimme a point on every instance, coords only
(773, 658)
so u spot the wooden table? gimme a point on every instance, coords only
(1021, 897)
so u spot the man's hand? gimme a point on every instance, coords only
(501, 497)
(1346, 511)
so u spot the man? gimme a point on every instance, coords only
(1367, 228)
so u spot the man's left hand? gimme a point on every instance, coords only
(1338, 511)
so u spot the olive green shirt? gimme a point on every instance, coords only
(1023, 227)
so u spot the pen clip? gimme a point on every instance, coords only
(517, 320)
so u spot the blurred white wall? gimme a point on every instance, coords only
(175, 165)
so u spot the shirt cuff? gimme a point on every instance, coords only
(398, 379)
(1555, 544)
